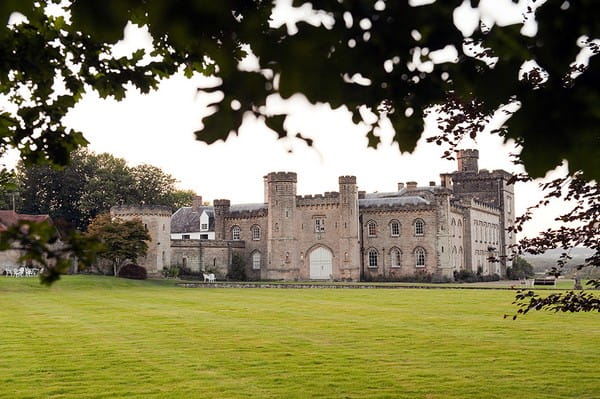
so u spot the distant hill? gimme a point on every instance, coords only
(547, 260)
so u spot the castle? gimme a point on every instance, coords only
(346, 235)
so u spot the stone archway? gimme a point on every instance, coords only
(321, 264)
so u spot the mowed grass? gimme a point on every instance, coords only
(101, 337)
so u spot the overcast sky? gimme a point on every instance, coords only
(158, 129)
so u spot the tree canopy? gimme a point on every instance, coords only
(373, 54)
(90, 185)
(120, 240)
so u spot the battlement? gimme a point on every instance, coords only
(282, 177)
(484, 206)
(471, 153)
(140, 210)
(328, 198)
(347, 180)
(221, 203)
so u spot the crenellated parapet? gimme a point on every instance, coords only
(282, 177)
(347, 180)
(248, 214)
(133, 211)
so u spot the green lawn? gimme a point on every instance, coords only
(101, 337)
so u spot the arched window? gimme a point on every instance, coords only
(419, 257)
(184, 262)
(235, 233)
(255, 232)
(371, 229)
(256, 260)
(460, 258)
(395, 228)
(373, 257)
(454, 258)
(396, 257)
(453, 227)
(459, 224)
(419, 227)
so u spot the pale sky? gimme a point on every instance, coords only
(158, 129)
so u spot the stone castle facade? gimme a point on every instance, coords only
(346, 235)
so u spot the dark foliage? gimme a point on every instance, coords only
(133, 271)
(237, 270)
(466, 276)
(520, 269)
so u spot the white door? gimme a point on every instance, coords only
(321, 260)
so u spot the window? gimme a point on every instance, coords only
(373, 257)
(204, 236)
(204, 226)
(419, 227)
(459, 224)
(185, 236)
(372, 229)
(396, 257)
(453, 227)
(184, 262)
(256, 232)
(395, 228)
(256, 260)
(235, 233)
(419, 257)
(319, 225)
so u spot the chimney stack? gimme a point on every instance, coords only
(196, 202)
(400, 186)
(411, 185)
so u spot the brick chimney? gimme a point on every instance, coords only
(411, 185)
(196, 202)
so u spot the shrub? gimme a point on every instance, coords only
(171, 271)
(466, 276)
(134, 272)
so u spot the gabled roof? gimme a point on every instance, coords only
(10, 218)
(187, 219)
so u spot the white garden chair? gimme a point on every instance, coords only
(212, 278)
(20, 272)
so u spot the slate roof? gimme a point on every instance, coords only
(187, 219)
(392, 201)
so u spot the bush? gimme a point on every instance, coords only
(134, 272)
(171, 272)
(520, 269)
(419, 277)
(466, 276)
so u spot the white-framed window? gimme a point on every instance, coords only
(256, 232)
(396, 257)
(419, 227)
(395, 228)
(256, 260)
(185, 236)
(235, 233)
(204, 226)
(371, 229)
(419, 257)
(373, 255)
(319, 225)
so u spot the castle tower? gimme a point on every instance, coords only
(281, 225)
(444, 262)
(467, 160)
(221, 207)
(491, 188)
(349, 229)
(157, 221)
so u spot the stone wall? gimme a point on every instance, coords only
(407, 242)
(157, 221)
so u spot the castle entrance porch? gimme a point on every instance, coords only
(321, 260)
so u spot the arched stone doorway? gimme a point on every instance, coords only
(321, 261)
